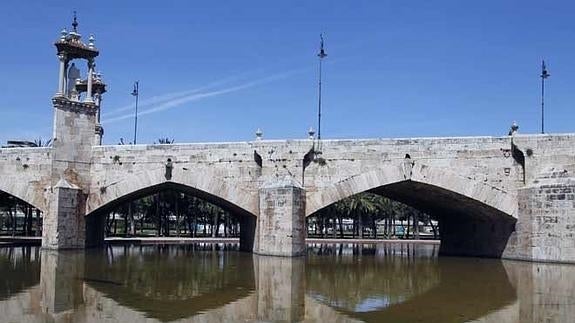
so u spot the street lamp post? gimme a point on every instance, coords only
(321, 56)
(544, 75)
(136, 94)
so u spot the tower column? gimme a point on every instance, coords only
(90, 81)
(64, 224)
(99, 131)
(62, 59)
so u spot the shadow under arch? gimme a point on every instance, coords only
(24, 194)
(25, 218)
(95, 220)
(476, 218)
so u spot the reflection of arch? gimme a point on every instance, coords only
(396, 286)
(344, 281)
(20, 270)
(147, 279)
(206, 186)
(482, 287)
(429, 179)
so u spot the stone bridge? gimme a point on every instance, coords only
(494, 196)
(509, 196)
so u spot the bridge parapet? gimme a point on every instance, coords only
(486, 159)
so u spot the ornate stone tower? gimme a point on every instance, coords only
(76, 130)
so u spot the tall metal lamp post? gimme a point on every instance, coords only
(544, 75)
(321, 56)
(136, 94)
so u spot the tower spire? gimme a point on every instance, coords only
(75, 23)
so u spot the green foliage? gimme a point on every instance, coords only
(171, 212)
(366, 210)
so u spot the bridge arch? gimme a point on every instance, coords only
(476, 218)
(209, 187)
(425, 177)
(24, 192)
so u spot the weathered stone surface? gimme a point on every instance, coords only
(546, 228)
(281, 222)
(25, 173)
(64, 224)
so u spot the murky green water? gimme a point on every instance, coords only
(334, 283)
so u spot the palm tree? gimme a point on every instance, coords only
(368, 208)
(164, 141)
(42, 143)
(361, 205)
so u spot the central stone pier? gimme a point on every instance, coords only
(280, 227)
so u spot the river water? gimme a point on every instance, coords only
(333, 283)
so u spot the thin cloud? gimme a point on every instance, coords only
(169, 96)
(199, 96)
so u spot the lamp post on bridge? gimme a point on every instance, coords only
(136, 94)
(544, 75)
(321, 56)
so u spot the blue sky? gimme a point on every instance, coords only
(218, 70)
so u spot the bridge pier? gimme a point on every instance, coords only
(64, 225)
(545, 229)
(281, 223)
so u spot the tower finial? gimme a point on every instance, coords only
(75, 23)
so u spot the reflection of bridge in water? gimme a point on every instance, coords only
(187, 284)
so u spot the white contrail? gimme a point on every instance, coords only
(169, 96)
(198, 96)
